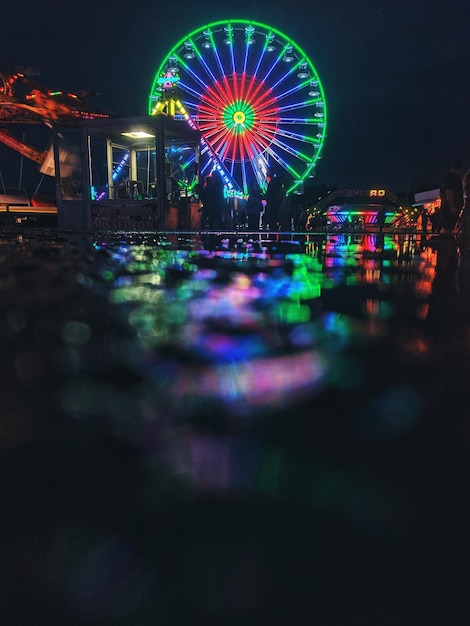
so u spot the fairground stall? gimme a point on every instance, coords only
(356, 209)
(132, 174)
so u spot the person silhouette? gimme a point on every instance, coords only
(214, 199)
(275, 196)
(254, 207)
(465, 219)
(451, 195)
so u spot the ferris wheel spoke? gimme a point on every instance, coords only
(248, 147)
(298, 137)
(293, 151)
(282, 95)
(261, 141)
(301, 104)
(264, 136)
(272, 68)
(213, 101)
(245, 61)
(217, 139)
(258, 65)
(244, 173)
(203, 63)
(277, 157)
(218, 60)
(229, 41)
(226, 147)
(308, 121)
(197, 78)
(290, 150)
(244, 90)
(189, 89)
(244, 176)
(213, 132)
(283, 78)
(265, 102)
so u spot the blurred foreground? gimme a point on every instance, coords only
(238, 430)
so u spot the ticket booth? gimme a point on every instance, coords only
(132, 174)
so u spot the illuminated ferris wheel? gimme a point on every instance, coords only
(254, 95)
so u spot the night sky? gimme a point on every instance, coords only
(395, 73)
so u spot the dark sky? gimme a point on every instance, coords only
(395, 72)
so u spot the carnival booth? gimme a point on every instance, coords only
(132, 174)
(356, 209)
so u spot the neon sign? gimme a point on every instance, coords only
(167, 80)
(377, 193)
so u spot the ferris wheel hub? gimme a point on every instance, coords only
(239, 117)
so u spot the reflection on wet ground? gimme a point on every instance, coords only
(234, 429)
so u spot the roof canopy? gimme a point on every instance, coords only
(140, 132)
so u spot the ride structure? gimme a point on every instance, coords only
(23, 101)
(254, 95)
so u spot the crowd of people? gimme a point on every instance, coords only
(271, 210)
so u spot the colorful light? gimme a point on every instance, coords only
(255, 96)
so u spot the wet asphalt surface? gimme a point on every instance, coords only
(234, 428)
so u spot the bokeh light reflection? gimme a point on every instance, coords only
(296, 409)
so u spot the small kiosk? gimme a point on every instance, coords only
(130, 174)
(357, 209)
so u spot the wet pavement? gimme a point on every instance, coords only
(234, 428)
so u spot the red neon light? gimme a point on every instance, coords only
(262, 128)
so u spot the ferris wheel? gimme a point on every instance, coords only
(254, 95)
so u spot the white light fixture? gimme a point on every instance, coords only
(138, 134)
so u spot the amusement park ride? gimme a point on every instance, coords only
(23, 101)
(254, 95)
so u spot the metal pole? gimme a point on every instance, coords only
(160, 166)
(21, 169)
